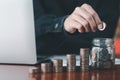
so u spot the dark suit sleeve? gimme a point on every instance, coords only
(44, 22)
(47, 21)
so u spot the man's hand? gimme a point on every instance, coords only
(83, 19)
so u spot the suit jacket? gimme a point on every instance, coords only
(51, 38)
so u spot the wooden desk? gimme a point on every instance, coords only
(11, 72)
(92, 75)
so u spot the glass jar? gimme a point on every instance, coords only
(102, 53)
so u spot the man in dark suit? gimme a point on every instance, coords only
(64, 26)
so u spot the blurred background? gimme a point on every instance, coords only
(117, 40)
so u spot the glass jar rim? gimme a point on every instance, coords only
(102, 41)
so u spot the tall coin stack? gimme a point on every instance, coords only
(84, 59)
(46, 67)
(71, 62)
(57, 65)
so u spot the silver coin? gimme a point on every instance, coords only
(103, 26)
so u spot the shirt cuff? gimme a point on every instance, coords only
(59, 24)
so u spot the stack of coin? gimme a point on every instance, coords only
(71, 62)
(46, 67)
(33, 72)
(84, 59)
(57, 65)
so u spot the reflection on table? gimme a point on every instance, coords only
(90, 75)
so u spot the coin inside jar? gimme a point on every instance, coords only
(102, 53)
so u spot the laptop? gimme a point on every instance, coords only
(17, 34)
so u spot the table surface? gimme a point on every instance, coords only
(11, 72)
(91, 75)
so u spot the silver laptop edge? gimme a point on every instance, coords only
(17, 33)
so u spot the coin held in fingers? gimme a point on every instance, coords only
(102, 26)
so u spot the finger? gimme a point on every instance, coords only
(93, 13)
(87, 16)
(76, 25)
(82, 21)
(81, 29)
(68, 26)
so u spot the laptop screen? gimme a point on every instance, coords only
(17, 35)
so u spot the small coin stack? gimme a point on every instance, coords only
(84, 59)
(46, 67)
(71, 62)
(33, 71)
(57, 65)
